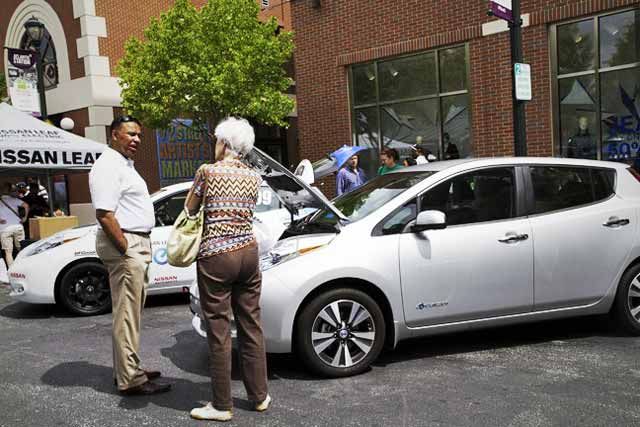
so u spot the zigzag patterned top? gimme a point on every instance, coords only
(232, 193)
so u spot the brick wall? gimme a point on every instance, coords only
(128, 21)
(339, 33)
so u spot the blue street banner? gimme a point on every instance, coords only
(182, 148)
(501, 9)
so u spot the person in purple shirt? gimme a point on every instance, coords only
(350, 176)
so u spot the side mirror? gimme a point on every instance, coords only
(430, 220)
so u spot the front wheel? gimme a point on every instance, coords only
(84, 289)
(626, 309)
(340, 333)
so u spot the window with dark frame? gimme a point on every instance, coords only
(418, 99)
(597, 70)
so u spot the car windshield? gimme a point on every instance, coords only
(360, 202)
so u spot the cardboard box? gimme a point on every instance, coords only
(44, 226)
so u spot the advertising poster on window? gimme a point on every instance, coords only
(621, 115)
(182, 148)
(22, 77)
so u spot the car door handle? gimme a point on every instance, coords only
(513, 238)
(615, 222)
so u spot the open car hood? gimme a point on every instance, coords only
(294, 193)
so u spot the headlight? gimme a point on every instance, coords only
(285, 253)
(48, 244)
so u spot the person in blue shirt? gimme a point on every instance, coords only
(350, 176)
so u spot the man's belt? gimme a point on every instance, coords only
(138, 233)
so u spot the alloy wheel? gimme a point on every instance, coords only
(89, 291)
(343, 333)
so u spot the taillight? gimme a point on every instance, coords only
(635, 173)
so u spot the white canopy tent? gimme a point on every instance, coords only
(29, 146)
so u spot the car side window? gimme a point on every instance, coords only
(167, 210)
(564, 187)
(479, 196)
(603, 183)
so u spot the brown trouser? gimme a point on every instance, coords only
(232, 281)
(127, 280)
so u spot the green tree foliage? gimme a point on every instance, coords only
(206, 64)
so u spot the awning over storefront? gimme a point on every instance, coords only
(30, 145)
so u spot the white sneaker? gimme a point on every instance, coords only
(208, 412)
(264, 405)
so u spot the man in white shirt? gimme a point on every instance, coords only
(125, 213)
(11, 229)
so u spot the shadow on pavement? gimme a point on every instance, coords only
(166, 300)
(21, 310)
(190, 353)
(499, 337)
(184, 394)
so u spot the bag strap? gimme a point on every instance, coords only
(203, 198)
(10, 208)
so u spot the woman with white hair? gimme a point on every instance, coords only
(229, 276)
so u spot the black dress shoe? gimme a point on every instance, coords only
(151, 375)
(146, 388)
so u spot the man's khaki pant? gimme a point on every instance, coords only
(128, 283)
(231, 282)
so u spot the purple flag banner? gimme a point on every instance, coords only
(501, 9)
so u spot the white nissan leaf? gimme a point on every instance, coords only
(445, 247)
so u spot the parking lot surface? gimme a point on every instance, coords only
(55, 370)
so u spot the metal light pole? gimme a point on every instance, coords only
(36, 31)
(519, 129)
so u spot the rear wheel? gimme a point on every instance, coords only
(84, 289)
(340, 333)
(626, 309)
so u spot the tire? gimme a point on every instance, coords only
(347, 349)
(84, 289)
(626, 308)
